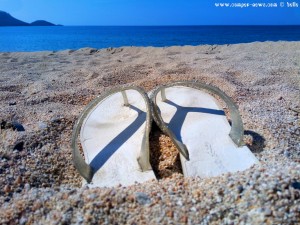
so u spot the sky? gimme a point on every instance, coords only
(154, 12)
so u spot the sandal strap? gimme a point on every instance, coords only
(84, 169)
(236, 132)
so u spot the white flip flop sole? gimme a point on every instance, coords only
(197, 120)
(111, 136)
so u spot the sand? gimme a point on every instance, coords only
(42, 94)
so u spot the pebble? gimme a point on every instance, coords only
(142, 198)
(56, 119)
(179, 203)
(19, 146)
(27, 187)
(23, 220)
(268, 212)
(287, 154)
(17, 126)
(170, 213)
(14, 125)
(18, 180)
(240, 189)
(7, 189)
(184, 219)
(193, 209)
(42, 125)
(12, 103)
(296, 185)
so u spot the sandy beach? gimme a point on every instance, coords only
(43, 93)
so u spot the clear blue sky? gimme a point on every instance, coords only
(150, 12)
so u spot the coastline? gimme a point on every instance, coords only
(45, 92)
(60, 37)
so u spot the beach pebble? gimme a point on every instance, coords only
(268, 212)
(17, 126)
(179, 203)
(296, 185)
(14, 125)
(19, 146)
(12, 103)
(240, 189)
(56, 119)
(170, 213)
(27, 187)
(23, 220)
(7, 189)
(18, 180)
(42, 125)
(286, 153)
(142, 198)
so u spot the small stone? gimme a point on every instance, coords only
(12, 103)
(296, 185)
(36, 205)
(23, 220)
(19, 146)
(193, 209)
(130, 198)
(171, 193)
(286, 154)
(240, 189)
(231, 215)
(184, 219)
(220, 192)
(170, 213)
(93, 50)
(56, 119)
(17, 126)
(179, 203)
(15, 151)
(7, 189)
(268, 212)
(3, 124)
(18, 180)
(27, 187)
(142, 198)
(42, 125)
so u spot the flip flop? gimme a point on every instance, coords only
(114, 135)
(197, 125)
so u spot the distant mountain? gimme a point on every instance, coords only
(7, 20)
(41, 23)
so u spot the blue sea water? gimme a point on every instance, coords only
(75, 37)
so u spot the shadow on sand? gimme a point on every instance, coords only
(258, 142)
(177, 120)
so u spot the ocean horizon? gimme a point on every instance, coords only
(54, 38)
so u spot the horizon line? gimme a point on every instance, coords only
(198, 25)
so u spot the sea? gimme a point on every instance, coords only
(74, 37)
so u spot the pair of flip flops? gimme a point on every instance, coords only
(114, 133)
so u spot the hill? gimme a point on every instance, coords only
(41, 23)
(7, 20)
